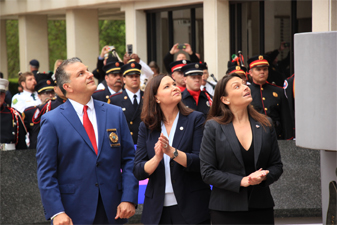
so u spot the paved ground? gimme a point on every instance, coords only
(299, 220)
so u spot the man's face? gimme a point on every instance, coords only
(132, 82)
(259, 74)
(181, 56)
(45, 95)
(205, 76)
(114, 80)
(2, 97)
(81, 80)
(178, 76)
(29, 84)
(193, 82)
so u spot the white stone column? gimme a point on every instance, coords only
(33, 41)
(324, 16)
(216, 36)
(3, 49)
(135, 29)
(83, 36)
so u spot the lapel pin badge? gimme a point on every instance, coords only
(123, 109)
(257, 126)
(181, 128)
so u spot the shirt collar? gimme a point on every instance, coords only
(131, 94)
(79, 107)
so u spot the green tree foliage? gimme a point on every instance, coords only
(57, 41)
(111, 32)
(13, 52)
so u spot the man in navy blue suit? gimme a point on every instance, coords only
(85, 155)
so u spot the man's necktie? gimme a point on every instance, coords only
(89, 128)
(135, 103)
(33, 96)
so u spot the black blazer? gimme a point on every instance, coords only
(132, 116)
(191, 192)
(222, 166)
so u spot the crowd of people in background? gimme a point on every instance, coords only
(172, 118)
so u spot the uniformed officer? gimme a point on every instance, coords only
(34, 67)
(192, 96)
(205, 84)
(233, 67)
(13, 130)
(269, 99)
(130, 99)
(113, 78)
(45, 90)
(28, 97)
(177, 74)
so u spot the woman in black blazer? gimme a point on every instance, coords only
(239, 156)
(168, 154)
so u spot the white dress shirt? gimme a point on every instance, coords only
(170, 198)
(23, 100)
(91, 114)
(209, 88)
(147, 73)
(131, 94)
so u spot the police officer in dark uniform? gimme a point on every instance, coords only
(45, 90)
(130, 100)
(192, 96)
(177, 74)
(233, 67)
(113, 78)
(13, 130)
(269, 99)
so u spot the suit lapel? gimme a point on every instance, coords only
(257, 136)
(229, 131)
(100, 118)
(70, 114)
(179, 133)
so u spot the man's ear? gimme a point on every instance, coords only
(67, 87)
(225, 100)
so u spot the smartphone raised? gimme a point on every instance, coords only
(129, 49)
(181, 46)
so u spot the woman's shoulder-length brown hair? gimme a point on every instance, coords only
(151, 115)
(221, 113)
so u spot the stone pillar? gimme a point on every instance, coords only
(135, 29)
(216, 36)
(269, 26)
(33, 41)
(3, 49)
(83, 36)
(324, 16)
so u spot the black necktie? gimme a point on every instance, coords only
(33, 96)
(135, 103)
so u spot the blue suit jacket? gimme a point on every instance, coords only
(71, 175)
(191, 192)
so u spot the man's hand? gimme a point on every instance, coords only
(188, 49)
(174, 49)
(62, 219)
(135, 57)
(125, 210)
(104, 51)
(126, 58)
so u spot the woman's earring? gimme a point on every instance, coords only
(158, 102)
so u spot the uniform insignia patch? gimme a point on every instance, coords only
(133, 65)
(275, 94)
(15, 101)
(113, 137)
(48, 82)
(207, 103)
(197, 66)
(237, 68)
(37, 111)
(117, 64)
(285, 84)
(260, 57)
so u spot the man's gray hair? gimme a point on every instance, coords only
(61, 76)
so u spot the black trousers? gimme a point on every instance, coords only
(172, 215)
(101, 217)
(253, 216)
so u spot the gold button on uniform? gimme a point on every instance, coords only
(131, 133)
(263, 98)
(131, 122)
(261, 89)
(265, 109)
